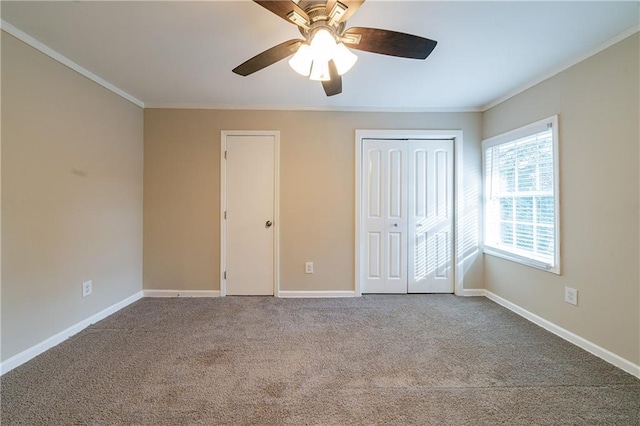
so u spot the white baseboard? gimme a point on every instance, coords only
(473, 292)
(315, 294)
(58, 338)
(181, 293)
(581, 342)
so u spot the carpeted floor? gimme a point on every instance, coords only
(421, 359)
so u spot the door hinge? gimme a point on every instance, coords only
(225, 214)
(225, 155)
(225, 275)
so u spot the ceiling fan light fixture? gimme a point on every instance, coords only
(323, 45)
(343, 58)
(324, 54)
(320, 71)
(301, 61)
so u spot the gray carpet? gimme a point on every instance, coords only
(422, 359)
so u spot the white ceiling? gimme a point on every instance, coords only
(179, 53)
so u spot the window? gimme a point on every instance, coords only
(521, 195)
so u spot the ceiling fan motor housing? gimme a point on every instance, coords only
(320, 20)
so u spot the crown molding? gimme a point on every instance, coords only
(566, 65)
(305, 108)
(21, 35)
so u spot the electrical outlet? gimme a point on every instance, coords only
(308, 268)
(571, 295)
(87, 288)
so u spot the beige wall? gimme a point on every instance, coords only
(71, 197)
(317, 192)
(597, 103)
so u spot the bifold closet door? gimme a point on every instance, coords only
(430, 221)
(385, 216)
(407, 216)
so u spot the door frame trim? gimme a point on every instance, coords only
(458, 195)
(276, 205)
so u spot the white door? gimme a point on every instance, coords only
(250, 214)
(407, 216)
(430, 222)
(385, 216)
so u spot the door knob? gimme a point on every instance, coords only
(395, 225)
(268, 224)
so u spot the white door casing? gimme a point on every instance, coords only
(249, 220)
(410, 219)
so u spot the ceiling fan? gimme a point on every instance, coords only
(323, 54)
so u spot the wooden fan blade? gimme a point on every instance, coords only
(391, 43)
(268, 57)
(333, 86)
(282, 8)
(352, 7)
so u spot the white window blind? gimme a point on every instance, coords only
(521, 203)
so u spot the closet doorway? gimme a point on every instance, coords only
(406, 212)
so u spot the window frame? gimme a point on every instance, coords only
(509, 137)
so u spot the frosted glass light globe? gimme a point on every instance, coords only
(343, 58)
(323, 45)
(301, 61)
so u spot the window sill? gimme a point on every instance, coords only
(521, 260)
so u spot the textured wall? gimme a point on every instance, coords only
(317, 192)
(597, 103)
(71, 197)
